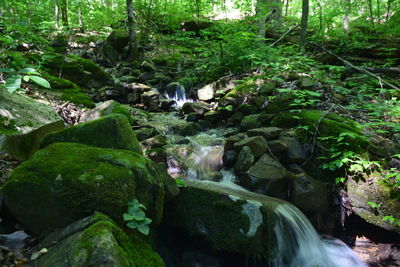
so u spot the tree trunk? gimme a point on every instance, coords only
(378, 6)
(64, 12)
(304, 21)
(371, 13)
(321, 19)
(287, 8)
(56, 14)
(133, 51)
(80, 19)
(261, 10)
(346, 18)
(388, 11)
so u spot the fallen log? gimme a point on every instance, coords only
(284, 35)
(350, 65)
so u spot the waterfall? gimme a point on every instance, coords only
(179, 95)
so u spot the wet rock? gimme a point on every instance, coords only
(104, 109)
(111, 131)
(245, 159)
(67, 181)
(206, 93)
(267, 176)
(153, 142)
(277, 146)
(23, 124)
(151, 99)
(295, 152)
(213, 116)
(186, 129)
(157, 154)
(172, 88)
(193, 117)
(128, 79)
(293, 167)
(97, 241)
(145, 133)
(309, 195)
(110, 54)
(257, 144)
(250, 122)
(229, 158)
(225, 219)
(268, 133)
(199, 259)
(229, 142)
(195, 107)
(373, 188)
(145, 76)
(166, 104)
(147, 66)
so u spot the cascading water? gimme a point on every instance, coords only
(179, 96)
(297, 242)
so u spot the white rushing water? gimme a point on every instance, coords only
(297, 242)
(180, 96)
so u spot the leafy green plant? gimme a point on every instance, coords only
(136, 217)
(15, 78)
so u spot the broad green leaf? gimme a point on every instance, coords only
(13, 83)
(40, 81)
(6, 70)
(144, 229)
(132, 224)
(147, 221)
(128, 217)
(28, 71)
(26, 78)
(139, 165)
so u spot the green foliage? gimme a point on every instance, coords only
(14, 80)
(136, 218)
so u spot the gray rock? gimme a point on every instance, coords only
(257, 144)
(153, 142)
(267, 176)
(145, 133)
(23, 124)
(206, 93)
(229, 158)
(151, 99)
(295, 152)
(195, 107)
(250, 122)
(94, 241)
(244, 160)
(268, 133)
(277, 146)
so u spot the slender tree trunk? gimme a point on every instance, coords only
(378, 6)
(388, 11)
(64, 12)
(320, 13)
(346, 18)
(80, 19)
(371, 13)
(133, 51)
(287, 8)
(261, 10)
(304, 21)
(56, 14)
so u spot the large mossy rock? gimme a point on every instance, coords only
(68, 181)
(83, 72)
(95, 241)
(104, 109)
(328, 125)
(67, 91)
(112, 131)
(226, 218)
(23, 123)
(375, 188)
(119, 38)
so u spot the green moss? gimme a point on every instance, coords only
(81, 71)
(135, 250)
(119, 38)
(242, 89)
(7, 126)
(68, 181)
(121, 109)
(112, 131)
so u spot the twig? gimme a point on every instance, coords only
(350, 65)
(284, 35)
(315, 134)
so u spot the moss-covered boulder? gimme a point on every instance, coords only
(106, 108)
(95, 241)
(226, 218)
(83, 72)
(23, 124)
(378, 189)
(68, 181)
(68, 91)
(327, 124)
(111, 131)
(119, 38)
